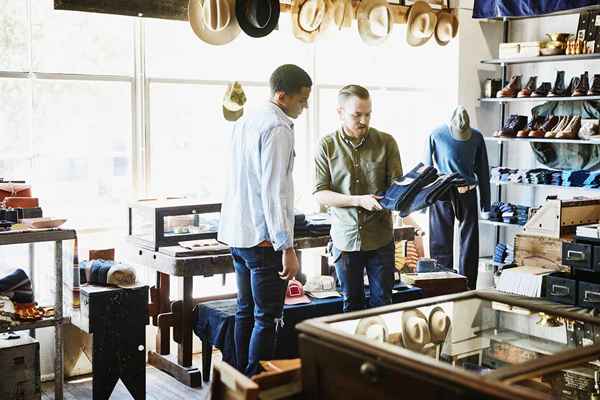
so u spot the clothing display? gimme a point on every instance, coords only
(17, 287)
(504, 254)
(465, 155)
(311, 225)
(541, 176)
(509, 213)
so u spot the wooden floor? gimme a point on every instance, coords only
(159, 386)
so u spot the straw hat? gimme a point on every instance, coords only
(415, 330)
(310, 18)
(374, 21)
(342, 13)
(439, 324)
(257, 18)
(446, 27)
(373, 328)
(233, 102)
(214, 21)
(420, 24)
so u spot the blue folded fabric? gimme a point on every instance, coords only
(405, 187)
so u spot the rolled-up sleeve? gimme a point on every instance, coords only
(322, 169)
(277, 148)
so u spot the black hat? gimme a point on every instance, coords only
(257, 18)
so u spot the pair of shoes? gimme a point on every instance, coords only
(547, 126)
(514, 124)
(535, 124)
(567, 128)
(513, 88)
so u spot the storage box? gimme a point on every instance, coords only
(519, 49)
(508, 50)
(561, 288)
(578, 255)
(19, 368)
(589, 295)
(158, 223)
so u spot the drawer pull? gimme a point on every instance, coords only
(591, 297)
(573, 255)
(559, 291)
(369, 371)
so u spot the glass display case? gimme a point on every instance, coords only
(158, 223)
(467, 346)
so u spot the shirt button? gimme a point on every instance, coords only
(357, 181)
(360, 227)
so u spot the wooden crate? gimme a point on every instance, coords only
(538, 251)
(19, 368)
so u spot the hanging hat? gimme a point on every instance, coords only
(342, 13)
(257, 18)
(373, 328)
(415, 330)
(233, 102)
(374, 21)
(446, 27)
(420, 24)
(439, 324)
(213, 21)
(309, 18)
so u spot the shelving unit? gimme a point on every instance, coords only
(541, 59)
(540, 140)
(543, 185)
(57, 236)
(537, 99)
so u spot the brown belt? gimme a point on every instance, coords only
(265, 243)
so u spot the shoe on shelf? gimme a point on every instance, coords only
(534, 124)
(582, 86)
(544, 89)
(589, 128)
(562, 123)
(529, 87)
(514, 124)
(512, 88)
(558, 90)
(595, 89)
(548, 125)
(571, 130)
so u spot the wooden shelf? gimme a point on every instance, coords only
(36, 236)
(540, 59)
(537, 99)
(539, 140)
(541, 185)
(43, 323)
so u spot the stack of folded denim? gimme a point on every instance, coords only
(556, 178)
(509, 213)
(592, 181)
(17, 287)
(311, 225)
(542, 176)
(538, 176)
(504, 254)
(522, 214)
(418, 189)
(500, 174)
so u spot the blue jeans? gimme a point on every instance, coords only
(350, 266)
(260, 297)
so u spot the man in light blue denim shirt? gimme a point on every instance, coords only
(257, 215)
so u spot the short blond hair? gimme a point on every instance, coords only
(352, 91)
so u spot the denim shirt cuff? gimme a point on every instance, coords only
(282, 241)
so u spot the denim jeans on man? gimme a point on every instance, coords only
(350, 266)
(260, 298)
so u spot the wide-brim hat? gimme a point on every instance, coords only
(420, 25)
(439, 325)
(214, 21)
(415, 330)
(122, 276)
(373, 328)
(342, 13)
(233, 102)
(257, 18)
(369, 15)
(446, 27)
(310, 18)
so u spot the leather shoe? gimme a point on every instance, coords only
(543, 90)
(548, 125)
(512, 89)
(583, 86)
(529, 87)
(534, 123)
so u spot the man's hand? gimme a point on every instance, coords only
(290, 264)
(369, 202)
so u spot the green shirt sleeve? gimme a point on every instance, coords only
(393, 162)
(322, 170)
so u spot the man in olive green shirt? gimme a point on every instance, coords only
(353, 165)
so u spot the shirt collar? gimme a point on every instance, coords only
(348, 139)
(282, 114)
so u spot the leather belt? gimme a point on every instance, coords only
(265, 243)
(465, 189)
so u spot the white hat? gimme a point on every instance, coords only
(439, 324)
(446, 27)
(415, 330)
(374, 21)
(373, 328)
(310, 18)
(421, 23)
(214, 21)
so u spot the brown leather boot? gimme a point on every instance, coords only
(595, 89)
(529, 88)
(534, 124)
(562, 123)
(582, 86)
(571, 130)
(542, 90)
(548, 125)
(558, 90)
(513, 87)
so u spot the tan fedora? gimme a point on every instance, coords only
(374, 21)
(310, 18)
(439, 325)
(233, 102)
(420, 24)
(415, 330)
(214, 21)
(446, 27)
(342, 13)
(373, 328)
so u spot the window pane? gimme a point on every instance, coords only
(15, 106)
(81, 43)
(82, 135)
(246, 58)
(14, 49)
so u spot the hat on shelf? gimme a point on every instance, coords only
(420, 24)
(213, 21)
(446, 27)
(342, 13)
(233, 102)
(374, 20)
(257, 18)
(373, 328)
(321, 287)
(310, 18)
(415, 330)
(295, 293)
(439, 324)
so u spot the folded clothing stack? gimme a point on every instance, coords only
(17, 287)
(107, 272)
(509, 213)
(8, 317)
(504, 254)
(542, 176)
(311, 225)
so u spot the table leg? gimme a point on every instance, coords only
(184, 348)
(32, 276)
(58, 335)
(163, 336)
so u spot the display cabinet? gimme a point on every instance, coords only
(474, 345)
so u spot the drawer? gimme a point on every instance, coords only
(560, 288)
(577, 255)
(589, 295)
